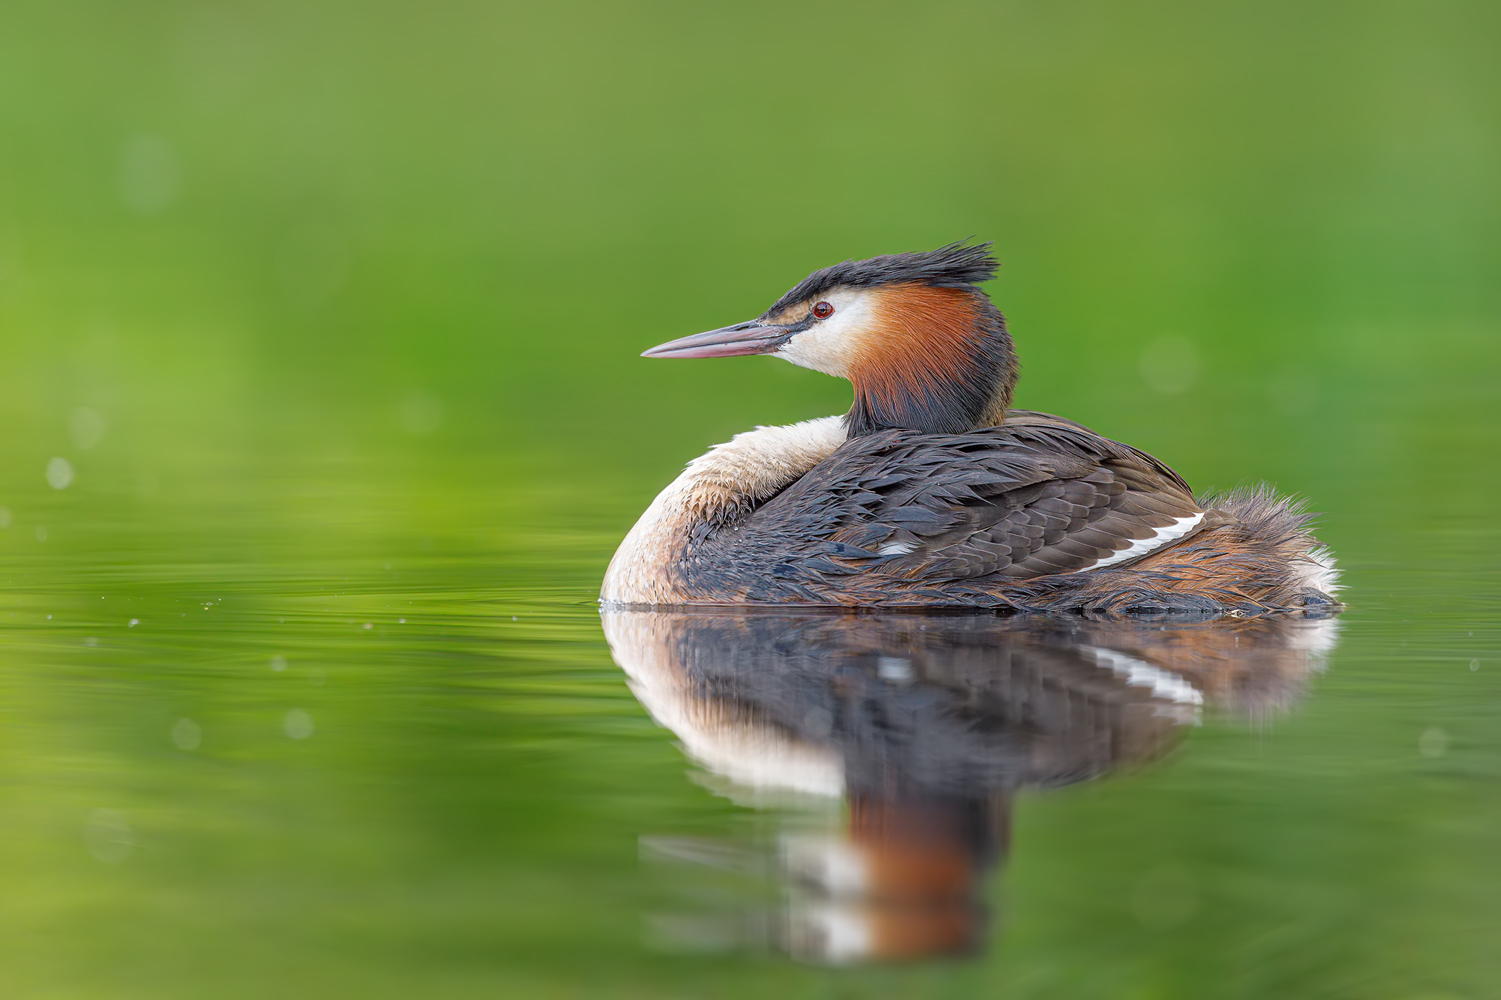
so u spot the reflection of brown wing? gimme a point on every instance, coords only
(1247, 666)
(928, 723)
(957, 704)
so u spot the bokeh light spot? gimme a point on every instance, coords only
(1433, 743)
(108, 836)
(85, 428)
(420, 412)
(186, 734)
(150, 175)
(59, 473)
(298, 724)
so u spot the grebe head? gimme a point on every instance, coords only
(924, 347)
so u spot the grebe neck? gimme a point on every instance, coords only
(942, 363)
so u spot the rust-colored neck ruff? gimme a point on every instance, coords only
(935, 360)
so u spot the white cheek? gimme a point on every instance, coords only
(827, 345)
(815, 349)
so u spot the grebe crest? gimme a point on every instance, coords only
(923, 346)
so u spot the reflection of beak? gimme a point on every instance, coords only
(726, 342)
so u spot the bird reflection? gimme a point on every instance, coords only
(927, 725)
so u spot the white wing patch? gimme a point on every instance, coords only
(1180, 527)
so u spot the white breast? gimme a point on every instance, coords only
(751, 466)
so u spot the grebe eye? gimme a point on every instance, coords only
(823, 311)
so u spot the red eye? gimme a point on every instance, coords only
(823, 310)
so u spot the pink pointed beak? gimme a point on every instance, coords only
(726, 342)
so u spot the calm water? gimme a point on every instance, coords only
(321, 415)
(324, 733)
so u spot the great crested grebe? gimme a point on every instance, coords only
(932, 492)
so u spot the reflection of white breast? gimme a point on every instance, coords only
(727, 739)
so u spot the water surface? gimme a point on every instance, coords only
(314, 739)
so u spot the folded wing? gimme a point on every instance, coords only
(1038, 496)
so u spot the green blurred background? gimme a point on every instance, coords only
(332, 314)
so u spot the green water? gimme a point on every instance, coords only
(332, 315)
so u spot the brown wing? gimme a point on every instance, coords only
(1038, 496)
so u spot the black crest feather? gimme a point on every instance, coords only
(958, 265)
